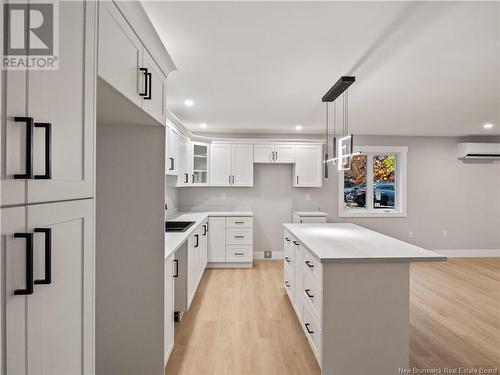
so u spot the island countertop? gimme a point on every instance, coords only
(345, 242)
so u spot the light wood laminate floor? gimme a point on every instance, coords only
(240, 322)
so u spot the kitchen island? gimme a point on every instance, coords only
(349, 287)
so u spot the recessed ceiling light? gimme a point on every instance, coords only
(203, 125)
(188, 102)
(298, 127)
(488, 126)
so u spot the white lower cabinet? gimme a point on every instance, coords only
(170, 274)
(217, 239)
(48, 288)
(304, 290)
(231, 241)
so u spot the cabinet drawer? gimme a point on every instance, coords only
(288, 282)
(313, 267)
(312, 292)
(239, 253)
(239, 222)
(312, 330)
(241, 236)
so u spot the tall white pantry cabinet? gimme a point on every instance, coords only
(47, 206)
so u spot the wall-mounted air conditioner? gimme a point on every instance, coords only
(484, 151)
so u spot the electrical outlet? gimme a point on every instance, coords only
(222, 195)
(268, 254)
(445, 233)
(308, 196)
(410, 234)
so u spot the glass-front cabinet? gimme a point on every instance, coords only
(200, 163)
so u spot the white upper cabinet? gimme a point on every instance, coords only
(154, 102)
(127, 66)
(199, 164)
(185, 164)
(120, 53)
(242, 165)
(220, 164)
(307, 171)
(274, 153)
(231, 164)
(172, 144)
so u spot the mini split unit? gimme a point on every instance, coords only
(483, 151)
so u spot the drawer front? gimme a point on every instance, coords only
(313, 267)
(235, 236)
(312, 330)
(312, 292)
(235, 253)
(288, 283)
(312, 219)
(239, 222)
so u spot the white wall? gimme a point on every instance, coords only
(443, 194)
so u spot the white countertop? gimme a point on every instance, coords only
(310, 213)
(344, 242)
(174, 240)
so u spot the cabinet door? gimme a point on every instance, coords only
(120, 53)
(220, 164)
(217, 239)
(183, 178)
(65, 98)
(285, 153)
(242, 165)
(13, 137)
(60, 329)
(169, 308)
(13, 344)
(155, 101)
(299, 280)
(308, 163)
(172, 152)
(191, 267)
(263, 153)
(204, 249)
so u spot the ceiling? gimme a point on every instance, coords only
(422, 68)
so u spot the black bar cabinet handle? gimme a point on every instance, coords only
(204, 230)
(197, 240)
(145, 93)
(287, 284)
(149, 78)
(239, 222)
(239, 254)
(287, 259)
(29, 264)
(239, 236)
(48, 151)
(29, 147)
(287, 239)
(171, 167)
(186, 178)
(307, 328)
(295, 242)
(309, 264)
(176, 268)
(297, 180)
(48, 255)
(308, 294)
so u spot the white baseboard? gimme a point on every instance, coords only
(469, 253)
(274, 255)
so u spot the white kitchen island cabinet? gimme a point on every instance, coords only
(349, 287)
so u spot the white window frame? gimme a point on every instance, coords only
(400, 188)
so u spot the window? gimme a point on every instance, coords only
(375, 186)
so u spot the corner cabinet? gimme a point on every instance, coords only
(127, 66)
(307, 170)
(231, 164)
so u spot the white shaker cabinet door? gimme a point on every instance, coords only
(308, 166)
(242, 165)
(13, 263)
(120, 53)
(285, 153)
(170, 273)
(14, 138)
(63, 154)
(263, 153)
(217, 239)
(220, 164)
(172, 144)
(154, 102)
(60, 329)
